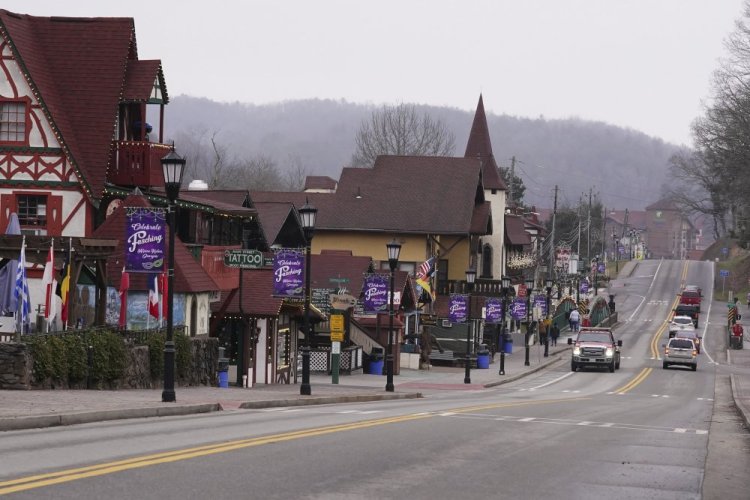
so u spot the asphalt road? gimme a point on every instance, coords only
(641, 432)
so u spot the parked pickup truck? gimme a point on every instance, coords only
(691, 298)
(688, 310)
(595, 346)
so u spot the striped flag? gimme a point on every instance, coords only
(63, 288)
(425, 270)
(48, 282)
(423, 280)
(153, 295)
(21, 292)
(123, 292)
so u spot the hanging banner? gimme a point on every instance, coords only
(518, 309)
(584, 286)
(145, 228)
(493, 310)
(458, 310)
(540, 301)
(289, 274)
(375, 293)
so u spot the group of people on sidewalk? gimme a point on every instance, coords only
(546, 327)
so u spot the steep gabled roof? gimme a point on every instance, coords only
(408, 194)
(237, 197)
(279, 223)
(480, 146)
(78, 66)
(140, 78)
(515, 230)
(257, 296)
(189, 276)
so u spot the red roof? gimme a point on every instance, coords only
(189, 276)
(78, 65)
(257, 295)
(139, 80)
(480, 146)
(515, 230)
(319, 182)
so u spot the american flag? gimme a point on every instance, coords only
(425, 270)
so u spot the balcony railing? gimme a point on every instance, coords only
(486, 287)
(137, 163)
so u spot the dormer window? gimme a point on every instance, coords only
(14, 122)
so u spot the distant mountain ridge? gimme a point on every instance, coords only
(625, 167)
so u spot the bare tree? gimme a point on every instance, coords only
(296, 173)
(207, 159)
(260, 173)
(401, 130)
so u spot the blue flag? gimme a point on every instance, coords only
(21, 293)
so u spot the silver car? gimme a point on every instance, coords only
(680, 351)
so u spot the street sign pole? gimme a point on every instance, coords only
(337, 336)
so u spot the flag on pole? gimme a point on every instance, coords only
(424, 274)
(63, 288)
(164, 305)
(124, 286)
(153, 295)
(47, 281)
(21, 292)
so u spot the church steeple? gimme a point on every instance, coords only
(480, 146)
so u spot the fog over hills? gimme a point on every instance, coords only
(626, 167)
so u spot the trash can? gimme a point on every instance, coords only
(508, 344)
(376, 361)
(224, 372)
(483, 360)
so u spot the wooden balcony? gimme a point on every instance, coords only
(484, 287)
(137, 163)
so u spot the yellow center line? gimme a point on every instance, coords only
(635, 382)
(654, 344)
(63, 476)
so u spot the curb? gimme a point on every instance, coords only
(39, 421)
(325, 400)
(742, 408)
(551, 360)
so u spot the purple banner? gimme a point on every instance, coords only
(584, 286)
(459, 308)
(145, 228)
(541, 302)
(289, 273)
(518, 309)
(375, 293)
(493, 310)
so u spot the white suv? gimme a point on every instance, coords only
(680, 351)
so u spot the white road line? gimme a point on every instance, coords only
(552, 381)
(681, 431)
(699, 431)
(608, 424)
(447, 414)
(584, 423)
(527, 419)
(643, 298)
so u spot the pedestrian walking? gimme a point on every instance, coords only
(554, 333)
(575, 320)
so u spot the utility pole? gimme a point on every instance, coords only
(510, 182)
(588, 230)
(604, 231)
(580, 204)
(552, 239)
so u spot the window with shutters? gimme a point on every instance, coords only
(14, 122)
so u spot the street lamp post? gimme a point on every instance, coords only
(173, 166)
(471, 275)
(307, 213)
(394, 250)
(529, 289)
(548, 285)
(617, 253)
(596, 275)
(505, 281)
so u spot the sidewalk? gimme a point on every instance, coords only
(34, 409)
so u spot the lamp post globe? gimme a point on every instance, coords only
(394, 250)
(529, 290)
(173, 167)
(471, 275)
(307, 214)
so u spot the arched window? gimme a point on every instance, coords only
(487, 261)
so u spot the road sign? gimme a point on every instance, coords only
(338, 280)
(725, 250)
(342, 301)
(724, 273)
(243, 258)
(337, 327)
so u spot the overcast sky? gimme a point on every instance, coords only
(643, 64)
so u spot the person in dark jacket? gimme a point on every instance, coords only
(553, 334)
